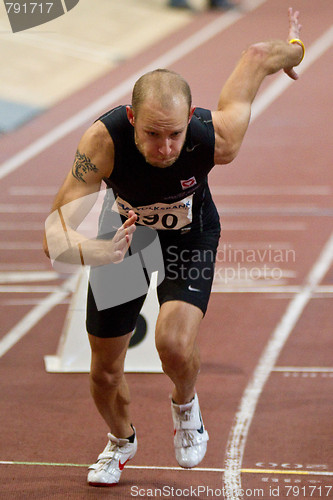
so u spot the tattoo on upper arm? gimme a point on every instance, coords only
(81, 166)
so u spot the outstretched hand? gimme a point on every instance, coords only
(123, 237)
(294, 32)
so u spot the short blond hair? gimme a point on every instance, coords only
(161, 84)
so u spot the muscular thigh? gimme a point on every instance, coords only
(178, 324)
(108, 354)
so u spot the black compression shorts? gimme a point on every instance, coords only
(189, 261)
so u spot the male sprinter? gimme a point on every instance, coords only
(155, 155)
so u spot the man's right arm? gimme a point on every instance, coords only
(62, 243)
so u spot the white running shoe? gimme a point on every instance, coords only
(111, 462)
(190, 435)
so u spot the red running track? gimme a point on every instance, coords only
(266, 380)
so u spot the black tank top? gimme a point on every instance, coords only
(160, 194)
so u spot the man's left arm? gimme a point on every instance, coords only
(232, 117)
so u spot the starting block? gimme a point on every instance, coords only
(73, 353)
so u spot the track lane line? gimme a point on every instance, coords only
(26, 277)
(240, 428)
(35, 314)
(303, 369)
(171, 468)
(268, 190)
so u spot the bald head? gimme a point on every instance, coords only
(165, 87)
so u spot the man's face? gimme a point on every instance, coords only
(160, 133)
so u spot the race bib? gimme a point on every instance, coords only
(159, 215)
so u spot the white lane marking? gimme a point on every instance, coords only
(324, 290)
(249, 288)
(27, 302)
(290, 210)
(28, 289)
(273, 288)
(20, 245)
(243, 418)
(257, 209)
(16, 208)
(23, 266)
(86, 225)
(25, 277)
(308, 375)
(282, 82)
(105, 101)
(36, 313)
(33, 190)
(21, 226)
(271, 190)
(247, 225)
(303, 369)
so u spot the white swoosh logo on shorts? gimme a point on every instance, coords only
(190, 287)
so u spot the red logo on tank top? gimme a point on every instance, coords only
(188, 183)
